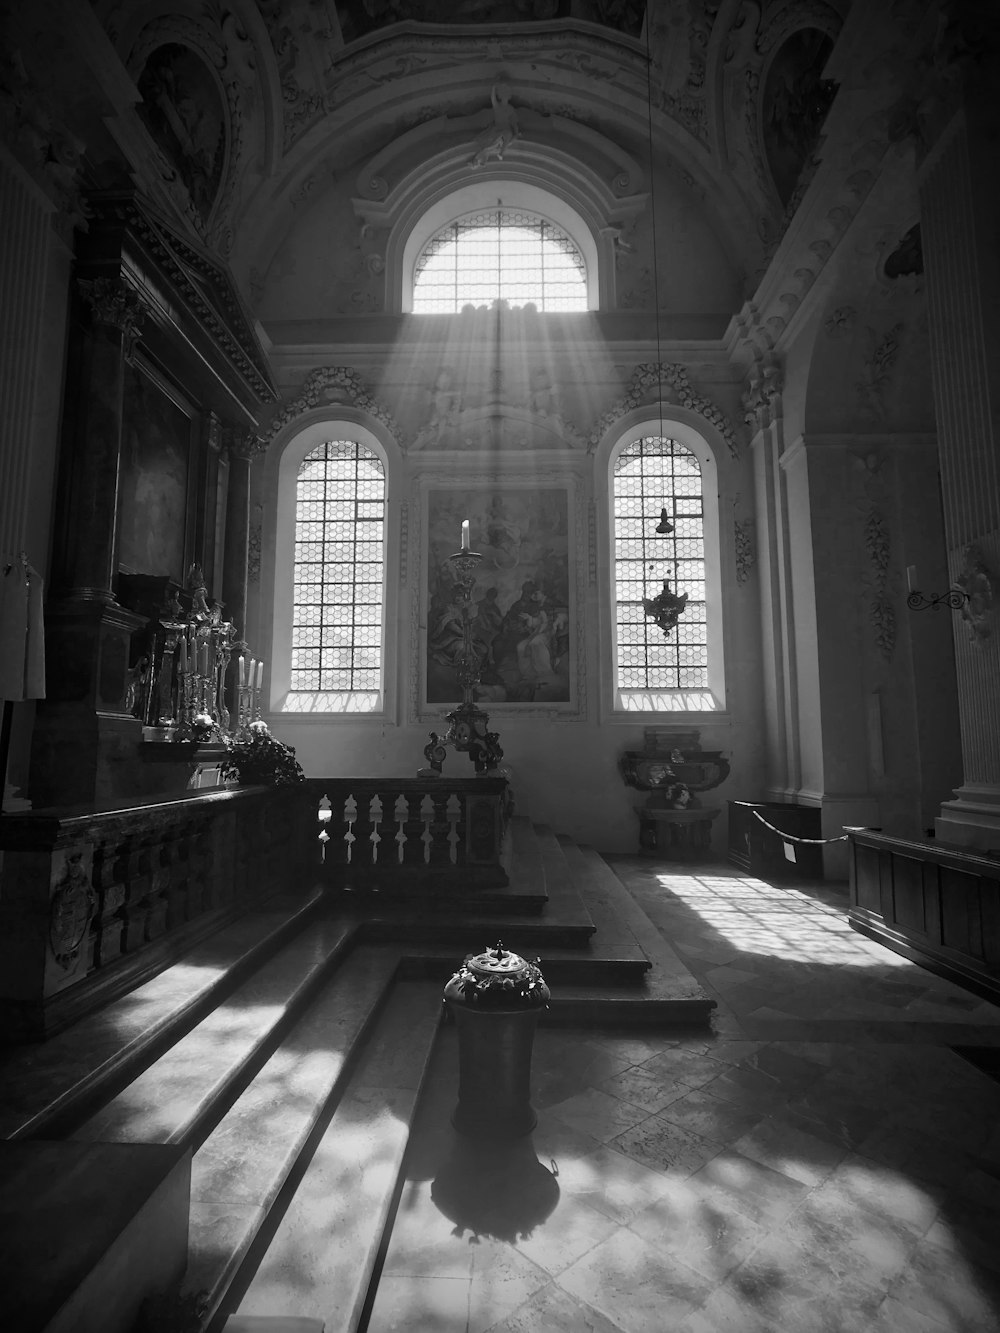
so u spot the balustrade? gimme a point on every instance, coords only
(381, 832)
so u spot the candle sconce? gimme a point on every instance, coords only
(954, 598)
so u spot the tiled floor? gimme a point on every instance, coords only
(822, 1160)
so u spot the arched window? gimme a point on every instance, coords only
(338, 580)
(499, 254)
(680, 669)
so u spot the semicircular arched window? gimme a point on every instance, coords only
(499, 254)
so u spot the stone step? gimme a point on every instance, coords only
(50, 1087)
(183, 1093)
(78, 1257)
(668, 993)
(322, 1253)
(239, 1173)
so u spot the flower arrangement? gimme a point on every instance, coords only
(256, 757)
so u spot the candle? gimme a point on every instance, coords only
(182, 661)
(260, 675)
(465, 535)
(911, 579)
(243, 672)
(250, 674)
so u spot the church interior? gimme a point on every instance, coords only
(513, 481)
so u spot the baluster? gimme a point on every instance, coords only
(453, 812)
(350, 816)
(375, 819)
(427, 815)
(401, 811)
(324, 813)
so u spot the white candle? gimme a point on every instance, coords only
(243, 672)
(183, 658)
(465, 535)
(250, 673)
(911, 579)
(260, 675)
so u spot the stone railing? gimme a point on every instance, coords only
(95, 900)
(428, 832)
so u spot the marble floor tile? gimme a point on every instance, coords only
(643, 1088)
(610, 1181)
(598, 1113)
(632, 1284)
(660, 1145)
(780, 1144)
(737, 1183)
(688, 1226)
(711, 1117)
(950, 1289)
(552, 1310)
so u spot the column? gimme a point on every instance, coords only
(241, 444)
(960, 220)
(87, 559)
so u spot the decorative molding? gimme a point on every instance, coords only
(840, 322)
(255, 538)
(243, 442)
(592, 542)
(328, 386)
(876, 372)
(745, 545)
(71, 909)
(201, 281)
(647, 386)
(976, 580)
(762, 395)
(114, 304)
(404, 554)
(876, 540)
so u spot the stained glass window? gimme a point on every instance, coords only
(499, 254)
(652, 474)
(338, 593)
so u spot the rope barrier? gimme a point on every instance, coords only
(790, 837)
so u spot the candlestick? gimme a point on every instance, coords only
(465, 536)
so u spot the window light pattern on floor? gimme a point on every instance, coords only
(502, 255)
(338, 580)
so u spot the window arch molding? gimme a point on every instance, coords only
(672, 422)
(286, 456)
(411, 189)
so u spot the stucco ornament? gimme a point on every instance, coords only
(875, 535)
(976, 580)
(332, 384)
(673, 385)
(495, 141)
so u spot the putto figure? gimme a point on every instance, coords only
(495, 141)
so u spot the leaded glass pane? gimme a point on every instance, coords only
(339, 570)
(652, 474)
(499, 254)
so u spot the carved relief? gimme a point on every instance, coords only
(71, 909)
(745, 548)
(976, 580)
(115, 304)
(762, 396)
(670, 384)
(329, 385)
(254, 539)
(840, 323)
(876, 373)
(875, 537)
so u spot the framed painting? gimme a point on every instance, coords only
(155, 481)
(522, 612)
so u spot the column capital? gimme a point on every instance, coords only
(114, 304)
(243, 442)
(761, 396)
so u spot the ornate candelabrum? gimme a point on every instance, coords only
(468, 724)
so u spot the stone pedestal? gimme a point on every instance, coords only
(678, 835)
(494, 1089)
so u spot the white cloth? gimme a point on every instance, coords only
(22, 633)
